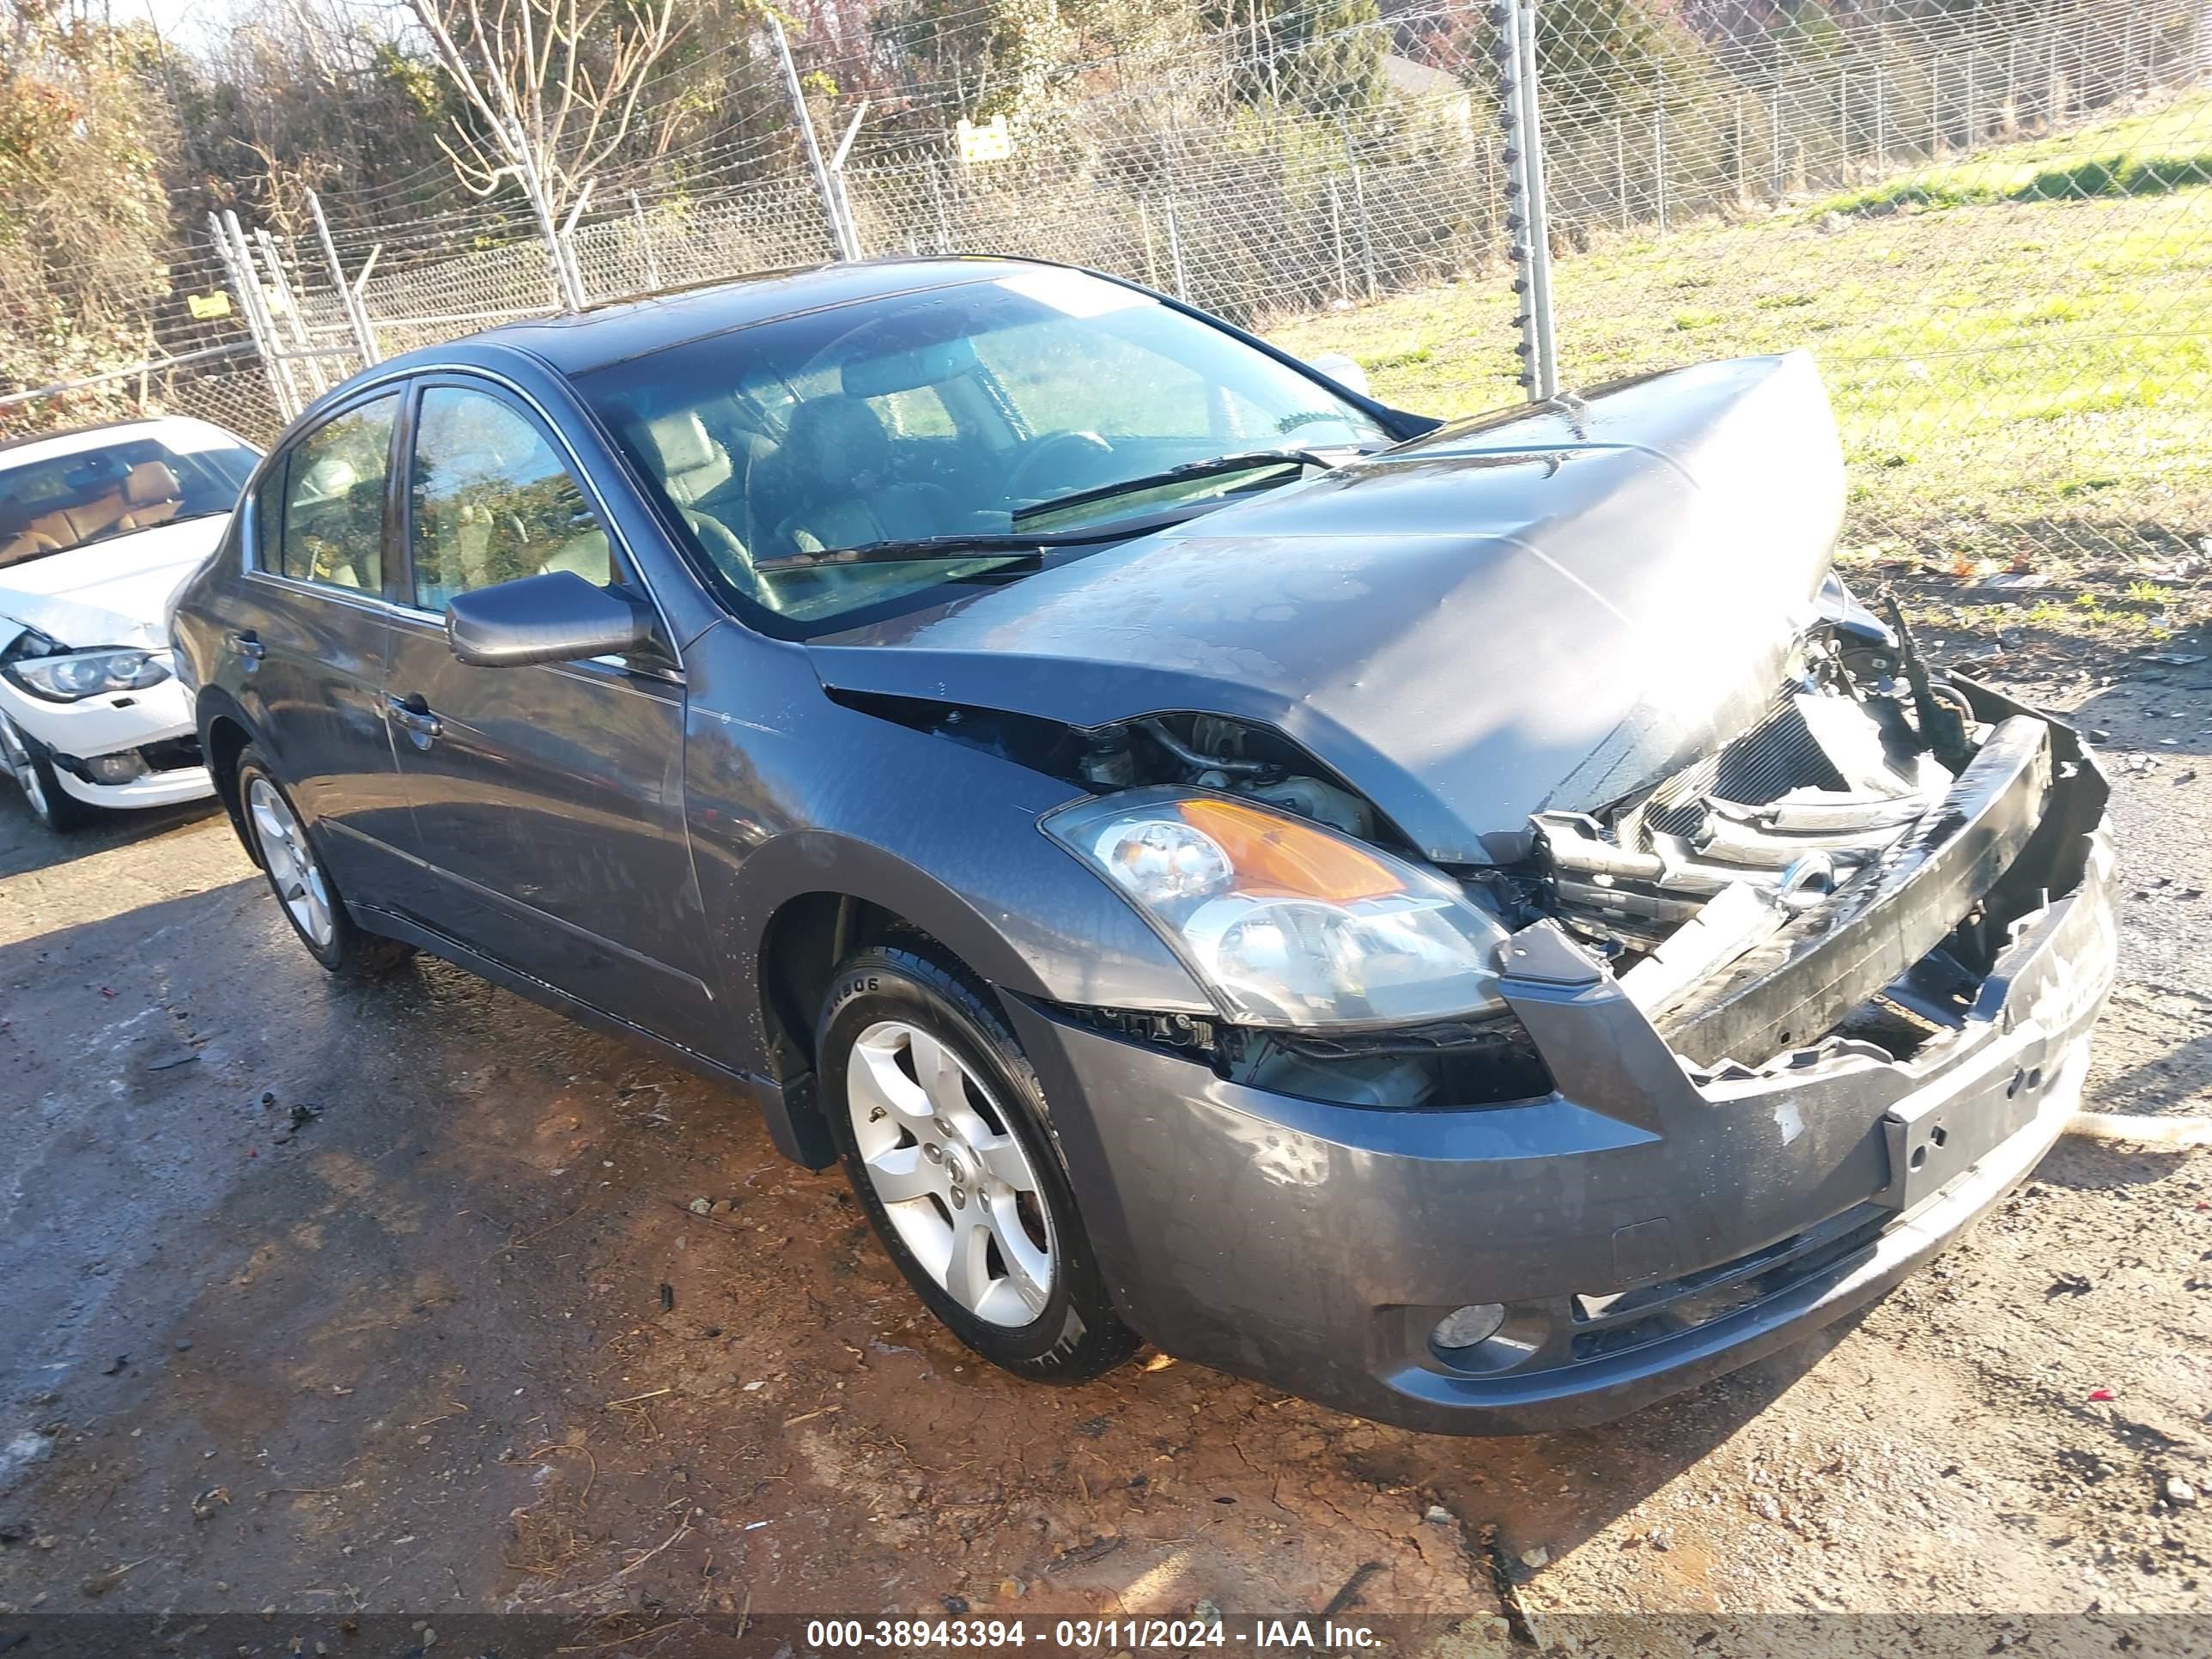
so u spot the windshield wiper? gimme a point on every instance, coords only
(983, 543)
(1251, 460)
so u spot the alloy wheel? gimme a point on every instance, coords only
(292, 867)
(17, 759)
(952, 1176)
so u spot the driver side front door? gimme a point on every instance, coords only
(548, 800)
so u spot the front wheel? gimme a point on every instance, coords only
(50, 804)
(310, 899)
(943, 1132)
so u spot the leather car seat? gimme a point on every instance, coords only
(26, 544)
(695, 469)
(836, 464)
(152, 495)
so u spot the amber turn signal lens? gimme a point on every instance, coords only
(1278, 858)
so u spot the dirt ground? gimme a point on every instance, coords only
(323, 1299)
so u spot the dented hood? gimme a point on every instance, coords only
(114, 592)
(1545, 611)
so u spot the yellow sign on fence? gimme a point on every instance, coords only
(989, 142)
(204, 305)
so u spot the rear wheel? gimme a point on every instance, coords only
(943, 1132)
(310, 899)
(50, 804)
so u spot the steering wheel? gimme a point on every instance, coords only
(1082, 451)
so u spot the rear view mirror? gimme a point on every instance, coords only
(1341, 369)
(554, 618)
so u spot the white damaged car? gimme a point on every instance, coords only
(98, 529)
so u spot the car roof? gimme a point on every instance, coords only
(185, 431)
(579, 341)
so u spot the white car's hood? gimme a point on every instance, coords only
(116, 592)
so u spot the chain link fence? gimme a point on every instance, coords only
(1989, 221)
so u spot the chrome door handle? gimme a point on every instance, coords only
(413, 717)
(247, 645)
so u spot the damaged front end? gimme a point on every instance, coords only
(1774, 1031)
(1843, 876)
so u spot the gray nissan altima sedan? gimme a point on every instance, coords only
(1470, 922)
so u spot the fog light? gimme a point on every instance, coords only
(116, 768)
(1464, 1328)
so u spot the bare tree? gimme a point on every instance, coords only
(553, 86)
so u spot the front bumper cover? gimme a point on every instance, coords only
(1646, 1230)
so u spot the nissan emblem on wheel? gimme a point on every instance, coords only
(1471, 923)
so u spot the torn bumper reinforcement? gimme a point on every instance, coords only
(1665, 1215)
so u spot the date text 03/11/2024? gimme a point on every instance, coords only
(1104, 1635)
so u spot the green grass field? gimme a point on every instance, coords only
(2019, 348)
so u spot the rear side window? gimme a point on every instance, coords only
(333, 494)
(493, 501)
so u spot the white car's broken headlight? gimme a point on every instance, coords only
(1288, 923)
(73, 675)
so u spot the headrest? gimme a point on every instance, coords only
(691, 463)
(325, 481)
(834, 438)
(150, 483)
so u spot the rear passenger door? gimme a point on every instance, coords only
(548, 799)
(306, 655)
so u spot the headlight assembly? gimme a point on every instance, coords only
(1287, 924)
(74, 676)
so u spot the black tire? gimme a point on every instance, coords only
(350, 952)
(51, 804)
(1077, 1335)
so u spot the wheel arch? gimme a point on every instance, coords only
(819, 897)
(225, 733)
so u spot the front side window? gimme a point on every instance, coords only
(975, 409)
(333, 524)
(492, 500)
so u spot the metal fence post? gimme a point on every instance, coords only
(1366, 229)
(1844, 115)
(851, 226)
(1774, 145)
(1741, 156)
(282, 286)
(1621, 170)
(568, 288)
(1880, 120)
(644, 242)
(288, 401)
(1174, 249)
(1659, 161)
(1336, 235)
(944, 224)
(263, 325)
(356, 314)
(222, 253)
(1144, 229)
(1526, 214)
(830, 216)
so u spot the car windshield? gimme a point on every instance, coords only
(60, 502)
(970, 410)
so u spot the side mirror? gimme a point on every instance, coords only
(555, 618)
(1342, 370)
